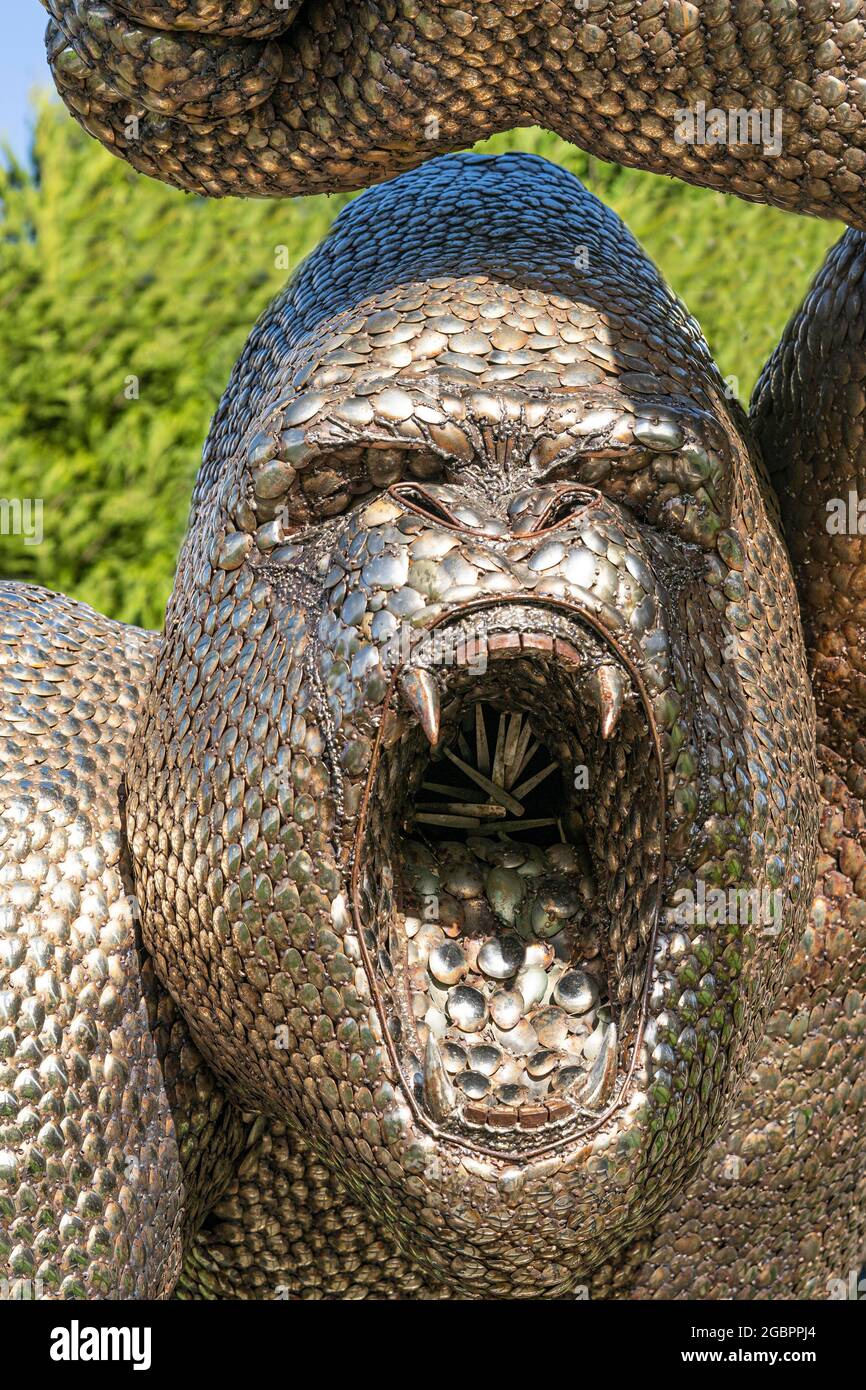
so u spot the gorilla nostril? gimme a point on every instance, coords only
(546, 508)
(424, 500)
(531, 512)
(447, 506)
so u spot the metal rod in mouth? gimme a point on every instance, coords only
(543, 822)
(454, 822)
(458, 793)
(482, 748)
(497, 792)
(535, 781)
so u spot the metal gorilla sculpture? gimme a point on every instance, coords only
(362, 933)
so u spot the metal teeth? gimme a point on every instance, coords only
(439, 1094)
(421, 694)
(599, 1084)
(609, 688)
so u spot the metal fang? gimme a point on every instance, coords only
(420, 692)
(599, 1084)
(439, 1093)
(609, 691)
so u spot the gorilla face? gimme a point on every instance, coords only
(473, 804)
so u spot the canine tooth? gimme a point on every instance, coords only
(593, 1045)
(438, 1090)
(599, 1083)
(422, 696)
(610, 685)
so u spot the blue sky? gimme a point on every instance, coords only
(22, 67)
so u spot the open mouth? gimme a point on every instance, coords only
(507, 872)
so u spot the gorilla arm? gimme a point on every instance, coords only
(779, 1206)
(114, 1136)
(338, 94)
